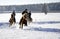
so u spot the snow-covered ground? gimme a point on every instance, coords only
(42, 27)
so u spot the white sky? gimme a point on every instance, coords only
(22, 2)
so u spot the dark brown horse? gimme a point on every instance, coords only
(23, 20)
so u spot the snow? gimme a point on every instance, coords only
(42, 27)
(23, 34)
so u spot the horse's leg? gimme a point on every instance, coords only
(21, 26)
(10, 24)
(13, 23)
(30, 20)
(26, 24)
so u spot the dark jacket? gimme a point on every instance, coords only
(24, 12)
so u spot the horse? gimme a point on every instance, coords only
(12, 20)
(23, 20)
(29, 17)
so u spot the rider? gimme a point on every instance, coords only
(13, 13)
(25, 11)
(29, 14)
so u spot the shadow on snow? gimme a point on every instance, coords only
(47, 22)
(44, 29)
(37, 29)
